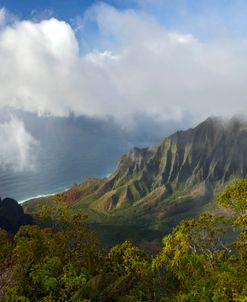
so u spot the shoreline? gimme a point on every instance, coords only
(41, 195)
(52, 194)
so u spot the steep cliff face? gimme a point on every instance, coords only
(158, 186)
(212, 153)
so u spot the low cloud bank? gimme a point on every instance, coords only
(17, 147)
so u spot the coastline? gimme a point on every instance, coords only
(41, 195)
(54, 193)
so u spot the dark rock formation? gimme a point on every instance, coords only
(12, 215)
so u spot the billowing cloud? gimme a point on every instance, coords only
(17, 147)
(139, 68)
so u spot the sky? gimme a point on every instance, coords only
(130, 61)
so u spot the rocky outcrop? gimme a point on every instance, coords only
(12, 215)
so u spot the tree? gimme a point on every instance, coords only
(6, 247)
(54, 263)
(204, 259)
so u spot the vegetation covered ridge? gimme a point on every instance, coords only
(154, 188)
(203, 259)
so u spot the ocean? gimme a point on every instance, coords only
(72, 149)
(69, 151)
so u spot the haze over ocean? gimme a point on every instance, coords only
(68, 151)
(65, 152)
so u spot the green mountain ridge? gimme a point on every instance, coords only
(154, 188)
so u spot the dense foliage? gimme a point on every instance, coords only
(203, 259)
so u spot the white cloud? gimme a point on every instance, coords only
(143, 69)
(17, 147)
